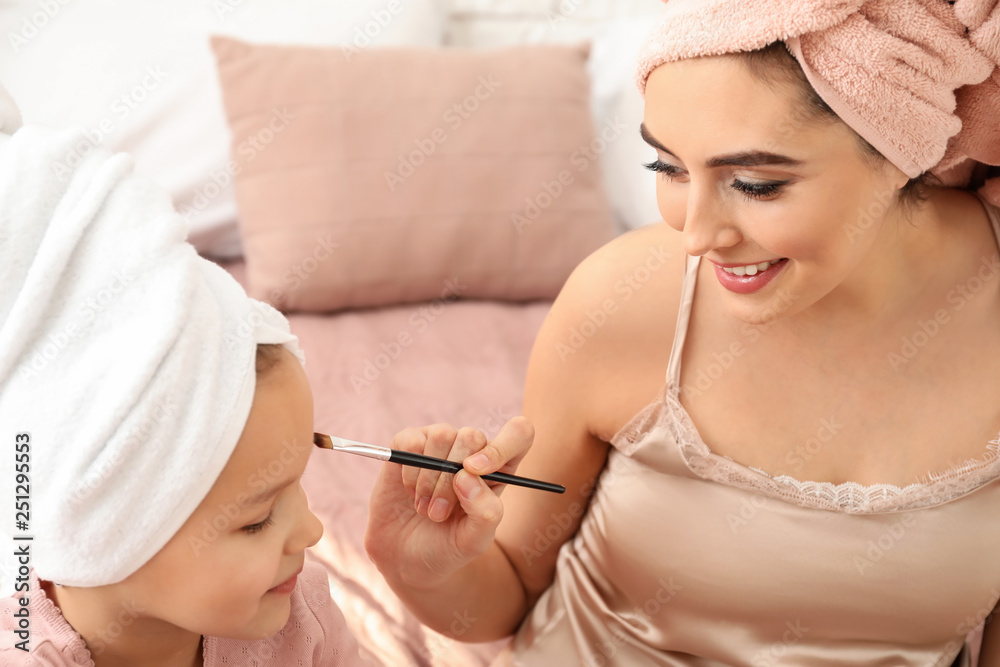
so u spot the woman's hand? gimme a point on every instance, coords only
(423, 525)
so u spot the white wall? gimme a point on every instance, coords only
(615, 29)
(504, 22)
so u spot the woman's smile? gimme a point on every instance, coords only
(748, 278)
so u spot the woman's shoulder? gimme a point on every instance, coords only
(606, 341)
(633, 280)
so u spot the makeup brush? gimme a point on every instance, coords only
(422, 461)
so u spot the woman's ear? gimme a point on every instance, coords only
(897, 177)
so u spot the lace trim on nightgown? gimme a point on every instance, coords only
(849, 497)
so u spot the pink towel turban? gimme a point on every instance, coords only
(918, 79)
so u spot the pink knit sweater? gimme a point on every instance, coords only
(316, 634)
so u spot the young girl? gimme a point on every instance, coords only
(163, 421)
(816, 481)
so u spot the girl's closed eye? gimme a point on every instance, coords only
(259, 526)
(765, 190)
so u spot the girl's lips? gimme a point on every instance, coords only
(286, 586)
(747, 284)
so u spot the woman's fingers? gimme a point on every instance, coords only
(505, 451)
(434, 493)
(410, 440)
(483, 511)
(436, 441)
(442, 499)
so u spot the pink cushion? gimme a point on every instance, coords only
(381, 176)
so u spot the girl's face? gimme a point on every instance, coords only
(230, 570)
(760, 188)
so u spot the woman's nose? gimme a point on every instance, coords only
(707, 223)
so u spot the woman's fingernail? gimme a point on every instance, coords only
(468, 484)
(422, 504)
(439, 510)
(479, 461)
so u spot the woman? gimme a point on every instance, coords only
(816, 483)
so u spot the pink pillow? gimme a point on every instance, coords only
(382, 176)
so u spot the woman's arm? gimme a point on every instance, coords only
(450, 567)
(439, 577)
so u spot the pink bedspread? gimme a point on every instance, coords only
(373, 373)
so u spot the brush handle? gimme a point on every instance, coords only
(442, 465)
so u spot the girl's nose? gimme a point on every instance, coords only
(308, 529)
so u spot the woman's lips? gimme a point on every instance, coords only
(748, 284)
(286, 586)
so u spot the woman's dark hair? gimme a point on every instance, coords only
(268, 356)
(774, 64)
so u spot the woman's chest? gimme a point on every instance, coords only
(829, 419)
(734, 558)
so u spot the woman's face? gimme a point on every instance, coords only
(758, 187)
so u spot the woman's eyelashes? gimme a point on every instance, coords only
(257, 527)
(750, 190)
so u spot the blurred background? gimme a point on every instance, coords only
(140, 77)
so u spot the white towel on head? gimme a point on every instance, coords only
(127, 357)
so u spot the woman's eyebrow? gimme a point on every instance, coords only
(742, 159)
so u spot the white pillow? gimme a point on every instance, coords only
(140, 77)
(618, 108)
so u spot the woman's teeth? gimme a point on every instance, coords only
(750, 269)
